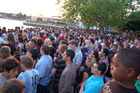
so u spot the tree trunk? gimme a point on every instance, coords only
(101, 28)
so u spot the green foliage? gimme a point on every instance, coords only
(39, 19)
(21, 16)
(101, 13)
(133, 21)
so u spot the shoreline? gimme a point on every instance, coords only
(41, 25)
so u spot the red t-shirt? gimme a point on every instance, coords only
(43, 38)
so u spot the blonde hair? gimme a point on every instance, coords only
(89, 44)
(27, 46)
(48, 42)
(91, 61)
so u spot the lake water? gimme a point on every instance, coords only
(11, 23)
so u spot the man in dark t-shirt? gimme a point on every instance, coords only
(33, 49)
(124, 71)
(59, 65)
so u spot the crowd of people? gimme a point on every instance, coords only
(62, 60)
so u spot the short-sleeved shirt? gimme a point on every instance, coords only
(113, 87)
(30, 79)
(137, 85)
(93, 85)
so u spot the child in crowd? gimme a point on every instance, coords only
(124, 71)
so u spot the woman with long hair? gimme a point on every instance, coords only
(4, 53)
(11, 42)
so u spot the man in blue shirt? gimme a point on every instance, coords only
(44, 66)
(94, 83)
(30, 76)
(78, 54)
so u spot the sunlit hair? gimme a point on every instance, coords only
(91, 61)
(89, 44)
(27, 61)
(74, 42)
(48, 42)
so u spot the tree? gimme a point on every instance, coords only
(39, 19)
(19, 15)
(133, 21)
(101, 13)
(24, 16)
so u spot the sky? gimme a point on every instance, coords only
(46, 8)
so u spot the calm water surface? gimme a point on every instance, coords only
(11, 23)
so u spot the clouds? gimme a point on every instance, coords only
(31, 7)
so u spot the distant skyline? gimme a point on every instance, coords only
(46, 8)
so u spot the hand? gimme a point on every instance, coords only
(86, 54)
(83, 84)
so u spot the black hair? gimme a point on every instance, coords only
(41, 34)
(130, 58)
(57, 35)
(39, 42)
(47, 34)
(96, 55)
(33, 40)
(70, 53)
(20, 40)
(100, 47)
(101, 66)
(105, 51)
(46, 49)
(64, 42)
(52, 38)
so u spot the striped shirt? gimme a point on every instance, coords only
(59, 65)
